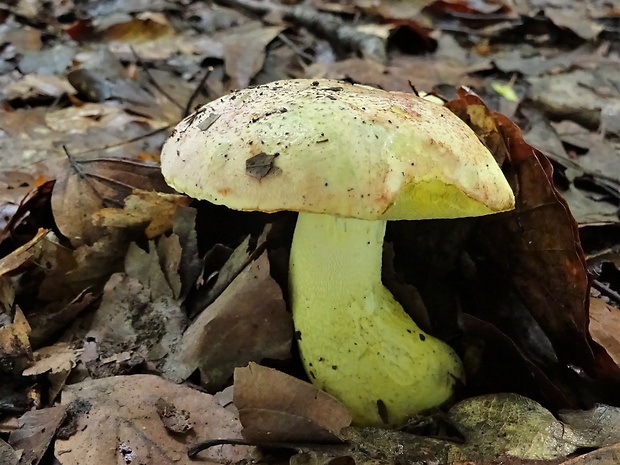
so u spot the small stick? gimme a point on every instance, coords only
(190, 102)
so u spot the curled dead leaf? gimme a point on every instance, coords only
(276, 407)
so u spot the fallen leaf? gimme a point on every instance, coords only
(49, 62)
(22, 37)
(508, 424)
(35, 433)
(152, 211)
(243, 254)
(175, 420)
(597, 427)
(277, 407)
(584, 106)
(138, 309)
(14, 336)
(576, 19)
(605, 326)
(36, 86)
(404, 9)
(28, 207)
(8, 455)
(22, 255)
(86, 186)
(47, 319)
(244, 50)
(53, 359)
(260, 165)
(537, 246)
(189, 264)
(144, 27)
(449, 65)
(247, 322)
(119, 423)
(605, 456)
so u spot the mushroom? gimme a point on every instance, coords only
(348, 158)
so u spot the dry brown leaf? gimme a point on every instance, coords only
(119, 423)
(7, 294)
(144, 27)
(605, 327)
(244, 50)
(576, 19)
(47, 320)
(33, 86)
(247, 322)
(537, 245)
(35, 433)
(14, 337)
(274, 406)
(78, 120)
(23, 38)
(53, 359)
(22, 255)
(219, 278)
(606, 456)
(85, 186)
(56, 362)
(152, 210)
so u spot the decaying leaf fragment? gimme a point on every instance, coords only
(56, 362)
(120, 420)
(508, 424)
(260, 165)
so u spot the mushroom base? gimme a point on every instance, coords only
(356, 341)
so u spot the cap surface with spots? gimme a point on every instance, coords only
(326, 146)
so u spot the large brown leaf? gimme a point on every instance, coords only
(537, 245)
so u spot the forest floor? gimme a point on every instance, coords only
(129, 312)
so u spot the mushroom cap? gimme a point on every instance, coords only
(326, 146)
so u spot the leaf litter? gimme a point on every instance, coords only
(110, 282)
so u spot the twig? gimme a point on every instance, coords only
(193, 451)
(288, 42)
(606, 290)
(329, 27)
(190, 102)
(127, 141)
(153, 81)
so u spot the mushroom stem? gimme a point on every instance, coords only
(356, 341)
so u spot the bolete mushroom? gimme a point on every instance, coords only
(348, 158)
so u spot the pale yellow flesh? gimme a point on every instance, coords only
(356, 341)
